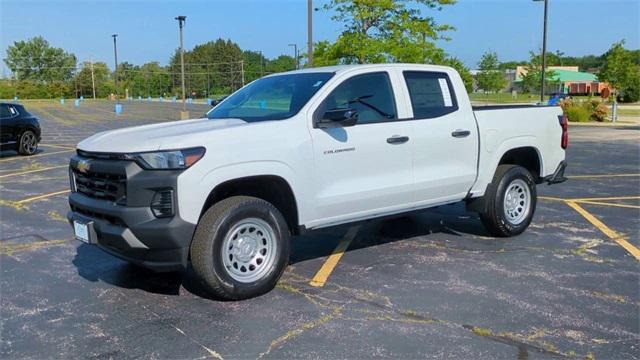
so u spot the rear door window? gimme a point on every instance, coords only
(431, 94)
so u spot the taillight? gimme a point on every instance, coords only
(564, 123)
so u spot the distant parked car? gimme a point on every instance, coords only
(19, 130)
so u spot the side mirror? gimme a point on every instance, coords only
(338, 118)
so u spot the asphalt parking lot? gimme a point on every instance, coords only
(431, 285)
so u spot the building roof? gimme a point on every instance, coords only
(573, 76)
(569, 76)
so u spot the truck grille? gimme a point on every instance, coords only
(103, 186)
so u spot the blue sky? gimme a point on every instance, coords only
(147, 29)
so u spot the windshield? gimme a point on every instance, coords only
(271, 98)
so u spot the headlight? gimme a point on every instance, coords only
(168, 160)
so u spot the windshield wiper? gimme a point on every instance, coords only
(360, 100)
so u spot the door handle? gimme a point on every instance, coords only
(460, 133)
(396, 139)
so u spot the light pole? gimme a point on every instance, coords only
(115, 55)
(295, 54)
(310, 33)
(181, 21)
(544, 48)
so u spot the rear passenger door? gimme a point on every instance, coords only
(445, 146)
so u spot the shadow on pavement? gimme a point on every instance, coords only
(96, 265)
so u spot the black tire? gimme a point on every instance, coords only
(495, 217)
(221, 220)
(28, 143)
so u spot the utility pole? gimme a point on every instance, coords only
(181, 21)
(242, 70)
(261, 66)
(115, 55)
(310, 33)
(295, 54)
(93, 81)
(544, 49)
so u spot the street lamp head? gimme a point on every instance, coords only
(181, 18)
(114, 36)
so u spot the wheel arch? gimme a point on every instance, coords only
(526, 156)
(271, 188)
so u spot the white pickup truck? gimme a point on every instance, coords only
(304, 150)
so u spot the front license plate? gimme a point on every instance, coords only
(81, 231)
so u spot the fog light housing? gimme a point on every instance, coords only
(162, 204)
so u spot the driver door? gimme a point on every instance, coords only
(365, 169)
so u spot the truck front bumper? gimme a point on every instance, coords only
(128, 228)
(134, 234)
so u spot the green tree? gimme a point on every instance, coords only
(621, 72)
(254, 65)
(281, 63)
(84, 82)
(36, 60)
(490, 78)
(377, 31)
(464, 72)
(531, 80)
(211, 68)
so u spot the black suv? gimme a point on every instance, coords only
(19, 130)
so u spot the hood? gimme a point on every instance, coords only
(161, 136)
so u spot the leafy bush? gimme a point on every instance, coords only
(630, 94)
(578, 114)
(6, 90)
(597, 109)
(591, 110)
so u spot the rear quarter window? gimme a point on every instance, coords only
(431, 94)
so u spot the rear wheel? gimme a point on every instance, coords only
(240, 248)
(510, 201)
(28, 143)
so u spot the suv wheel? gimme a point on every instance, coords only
(510, 201)
(240, 248)
(28, 144)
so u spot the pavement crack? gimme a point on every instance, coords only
(12, 249)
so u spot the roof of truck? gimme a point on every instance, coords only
(344, 68)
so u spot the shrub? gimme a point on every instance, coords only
(566, 103)
(630, 94)
(592, 109)
(578, 114)
(598, 111)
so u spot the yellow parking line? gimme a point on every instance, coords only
(607, 198)
(32, 171)
(550, 198)
(44, 196)
(34, 156)
(327, 268)
(618, 238)
(601, 176)
(60, 146)
(609, 204)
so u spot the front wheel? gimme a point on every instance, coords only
(240, 248)
(28, 144)
(510, 201)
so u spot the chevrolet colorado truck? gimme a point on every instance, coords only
(304, 150)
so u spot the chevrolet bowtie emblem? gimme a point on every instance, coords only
(83, 166)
